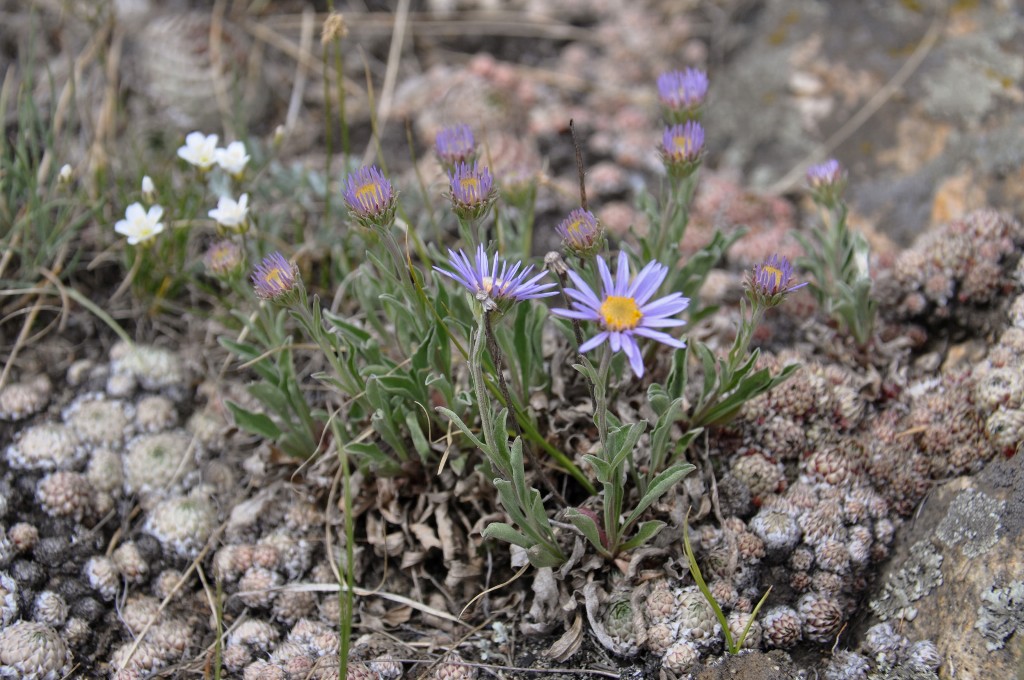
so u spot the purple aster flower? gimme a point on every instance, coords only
(824, 174)
(455, 145)
(472, 191)
(495, 279)
(771, 281)
(275, 278)
(581, 233)
(223, 258)
(827, 181)
(370, 198)
(625, 310)
(682, 93)
(682, 146)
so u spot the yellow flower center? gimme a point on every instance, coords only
(470, 186)
(490, 284)
(683, 145)
(620, 313)
(775, 273)
(276, 278)
(370, 190)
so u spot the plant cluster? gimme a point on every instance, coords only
(397, 345)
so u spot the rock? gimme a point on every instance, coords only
(956, 577)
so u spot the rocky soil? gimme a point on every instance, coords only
(878, 496)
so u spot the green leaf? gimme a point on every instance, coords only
(659, 485)
(707, 360)
(588, 527)
(419, 441)
(273, 398)
(645, 532)
(462, 426)
(505, 532)
(256, 423)
(540, 556)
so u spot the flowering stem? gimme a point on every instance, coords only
(498, 357)
(613, 490)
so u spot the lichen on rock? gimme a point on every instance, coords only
(920, 574)
(1000, 614)
(972, 523)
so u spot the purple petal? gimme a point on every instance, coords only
(606, 277)
(666, 306)
(594, 342)
(632, 350)
(615, 340)
(663, 338)
(584, 289)
(622, 275)
(648, 281)
(574, 314)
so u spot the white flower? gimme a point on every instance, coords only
(65, 174)
(200, 150)
(230, 213)
(148, 188)
(139, 225)
(232, 159)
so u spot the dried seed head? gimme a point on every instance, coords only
(452, 667)
(138, 611)
(182, 524)
(65, 494)
(779, 531)
(23, 399)
(33, 650)
(255, 634)
(680, 657)
(154, 368)
(847, 666)
(99, 421)
(49, 608)
(153, 460)
(102, 575)
(386, 667)
(44, 447)
(738, 622)
(257, 587)
(821, 616)
(782, 627)
(8, 599)
(761, 474)
(23, 536)
(130, 562)
(155, 413)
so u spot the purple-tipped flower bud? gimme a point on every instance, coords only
(472, 191)
(277, 279)
(455, 145)
(370, 198)
(771, 281)
(827, 181)
(682, 93)
(682, 146)
(582, 235)
(223, 259)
